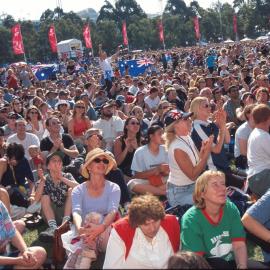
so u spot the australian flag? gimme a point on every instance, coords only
(45, 71)
(135, 67)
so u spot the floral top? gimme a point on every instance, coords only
(57, 192)
(7, 229)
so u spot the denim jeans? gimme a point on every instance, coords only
(180, 195)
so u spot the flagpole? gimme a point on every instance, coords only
(161, 9)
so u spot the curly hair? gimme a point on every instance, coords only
(143, 208)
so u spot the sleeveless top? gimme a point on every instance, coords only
(79, 127)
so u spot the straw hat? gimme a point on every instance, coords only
(97, 152)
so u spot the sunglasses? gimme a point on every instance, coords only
(98, 135)
(13, 118)
(80, 107)
(135, 123)
(34, 112)
(104, 160)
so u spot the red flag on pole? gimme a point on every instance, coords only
(52, 39)
(235, 24)
(87, 36)
(197, 27)
(124, 32)
(17, 41)
(161, 31)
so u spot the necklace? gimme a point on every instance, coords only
(189, 146)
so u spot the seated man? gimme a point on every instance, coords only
(257, 221)
(258, 152)
(150, 164)
(56, 198)
(14, 170)
(28, 258)
(145, 239)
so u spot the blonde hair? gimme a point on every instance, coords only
(195, 104)
(169, 135)
(201, 186)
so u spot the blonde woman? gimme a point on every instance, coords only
(185, 162)
(212, 227)
(203, 128)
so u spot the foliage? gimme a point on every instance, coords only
(215, 22)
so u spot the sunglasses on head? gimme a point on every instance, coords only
(135, 123)
(104, 160)
(98, 135)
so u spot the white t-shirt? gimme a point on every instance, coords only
(152, 103)
(109, 129)
(106, 66)
(38, 132)
(30, 139)
(142, 255)
(243, 133)
(186, 144)
(144, 160)
(258, 151)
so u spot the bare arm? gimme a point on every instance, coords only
(71, 128)
(72, 152)
(243, 147)
(119, 154)
(255, 227)
(240, 253)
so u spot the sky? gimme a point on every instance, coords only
(32, 9)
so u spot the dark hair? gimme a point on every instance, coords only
(15, 150)
(187, 260)
(125, 135)
(152, 130)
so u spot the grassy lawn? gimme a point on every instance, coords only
(31, 239)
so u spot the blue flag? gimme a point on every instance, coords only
(135, 67)
(45, 72)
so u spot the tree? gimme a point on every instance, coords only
(8, 21)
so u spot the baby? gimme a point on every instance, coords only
(87, 252)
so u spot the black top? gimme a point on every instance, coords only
(46, 145)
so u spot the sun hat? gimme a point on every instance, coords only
(97, 152)
(174, 115)
(61, 102)
(56, 153)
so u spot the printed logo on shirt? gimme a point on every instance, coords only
(221, 249)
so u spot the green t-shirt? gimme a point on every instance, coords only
(199, 234)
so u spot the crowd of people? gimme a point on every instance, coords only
(170, 169)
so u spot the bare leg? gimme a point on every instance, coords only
(40, 255)
(142, 189)
(68, 204)
(19, 225)
(46, 208)
(4, 197)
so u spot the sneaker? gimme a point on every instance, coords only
(47, 236)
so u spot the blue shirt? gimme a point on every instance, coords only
(7, 229)
(211, 61)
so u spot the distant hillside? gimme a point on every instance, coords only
(88, 13)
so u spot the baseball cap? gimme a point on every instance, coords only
(174, 115)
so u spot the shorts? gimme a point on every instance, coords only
(180, 195)
(260, 182)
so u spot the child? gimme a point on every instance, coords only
(36, 162)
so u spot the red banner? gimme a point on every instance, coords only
(161, 31)
(87, 36)
(235, 24)
(17, 41)
(197, 27)
(52, 39)
(124, 32)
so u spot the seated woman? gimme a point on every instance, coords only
(93, 140)
(28, 258)
(96, 195)
(186, 164)
(212, 227)
(56, 197)
(126, 145)
(257, 222)
(203, 128)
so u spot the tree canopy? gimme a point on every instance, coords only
(215, 22)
